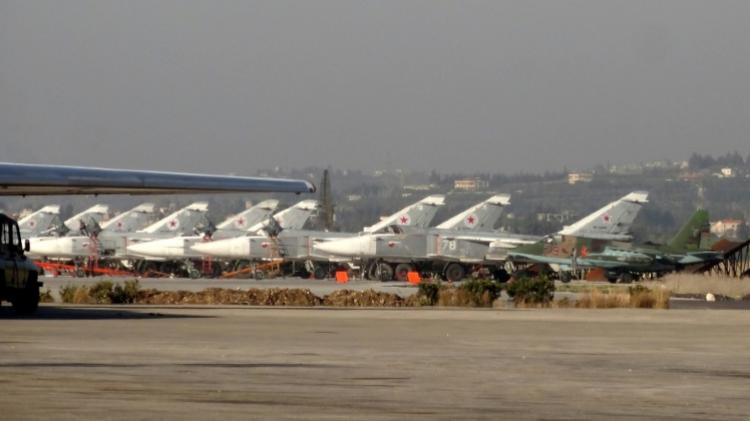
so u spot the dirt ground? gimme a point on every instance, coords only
(187, 362)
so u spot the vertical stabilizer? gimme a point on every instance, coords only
(182, 222)
(88, 218)
(131, 220)
(480, 217)
(611, 222)
(418, 215)
(40, 222)
(688, 238)
(249, 217)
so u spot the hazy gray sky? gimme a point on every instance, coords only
(457, 86)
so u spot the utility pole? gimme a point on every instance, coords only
(326, 202)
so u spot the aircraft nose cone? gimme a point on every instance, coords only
(355, 246)
(229, 248)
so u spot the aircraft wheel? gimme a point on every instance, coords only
(384, 272)
(501, 275)
(566, 277)
(402, 271)
(454, 272)
(320, 272)
(626, 278)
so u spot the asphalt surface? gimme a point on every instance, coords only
(196, 363)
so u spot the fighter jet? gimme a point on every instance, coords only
(180, 247)
(40, 223)
(623, 262)
(300, 245)
(398, 251)
(452, 247)
(22, 285)
(113, 243)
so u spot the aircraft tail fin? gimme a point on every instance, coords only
(249, 217)
(292, 218)
(480, 217)
(181, 222)
(131, 220)
(90, 217)
(41, 221)
(688, 238)
(417, 215)
(611, 222)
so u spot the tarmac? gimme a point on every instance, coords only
(196, 363)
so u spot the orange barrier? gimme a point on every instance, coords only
(413, 278)
(342, 277)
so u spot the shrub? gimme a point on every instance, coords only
(127, 294)
(642, 297)
(46, 297)
(480, 292)
(538, 290)
(67, 293)
(101, 292)
(428, 293)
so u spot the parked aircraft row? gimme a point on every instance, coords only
(390, 248)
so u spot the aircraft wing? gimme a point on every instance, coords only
(32, 179)
(551, 260)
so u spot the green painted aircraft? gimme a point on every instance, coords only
(621, 261)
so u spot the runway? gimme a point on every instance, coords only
(136, 362)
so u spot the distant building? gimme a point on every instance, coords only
(354, 197)
(727, 228)
(727, 173)
(470, 184)
(579, 177)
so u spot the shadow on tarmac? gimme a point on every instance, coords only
(91, 313)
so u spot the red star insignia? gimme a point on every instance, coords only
(470, 219)
(606, 218)
(391, 244)
(404, 219)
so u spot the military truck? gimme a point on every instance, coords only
(18, 275)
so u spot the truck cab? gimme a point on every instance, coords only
(18, 275)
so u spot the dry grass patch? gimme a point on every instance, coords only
(637, 297)
(685, 284)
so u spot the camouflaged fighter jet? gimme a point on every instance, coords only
(300, 246)
(467, 242)
(180, 247)
(623, 262)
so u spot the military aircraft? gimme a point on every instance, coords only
(399, 251)
(113, 241)
(40, 223)
(300, 245)
(466, 241)
(623, 262)
(20, 285)
(180, 247)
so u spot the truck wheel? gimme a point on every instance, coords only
(27, 300)
(454, 272)
(402, 271)
(384, 272)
